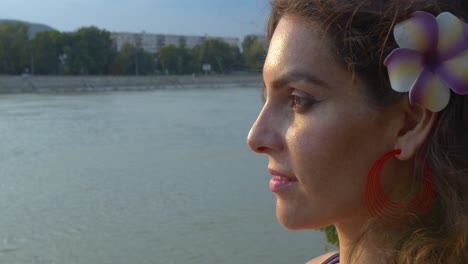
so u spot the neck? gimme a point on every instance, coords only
(362, 240)
(370, 244)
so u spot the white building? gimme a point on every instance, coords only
(153, 42)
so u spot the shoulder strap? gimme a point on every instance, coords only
(333, 259)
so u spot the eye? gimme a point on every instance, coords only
(301, 102)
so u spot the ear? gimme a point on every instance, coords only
(417, 124)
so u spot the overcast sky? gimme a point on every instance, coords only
(227, 18)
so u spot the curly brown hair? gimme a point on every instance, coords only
(361, 32)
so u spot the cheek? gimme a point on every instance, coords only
(320, 140)
(316, 153)
(331, 152)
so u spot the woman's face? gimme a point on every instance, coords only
(319, 133)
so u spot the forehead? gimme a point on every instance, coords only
(297, 46)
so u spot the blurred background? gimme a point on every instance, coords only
(123, 127)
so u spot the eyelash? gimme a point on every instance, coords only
(301, 103)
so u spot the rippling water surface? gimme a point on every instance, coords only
(138, 177)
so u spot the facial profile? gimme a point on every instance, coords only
(317, 129)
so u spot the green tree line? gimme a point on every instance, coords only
(90, 51)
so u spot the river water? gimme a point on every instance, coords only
(138, 177)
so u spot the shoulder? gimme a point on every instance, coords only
(322, 258)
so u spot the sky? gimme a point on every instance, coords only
(223, 18)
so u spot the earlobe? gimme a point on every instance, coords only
(417, 126)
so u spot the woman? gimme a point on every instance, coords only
(365, 123)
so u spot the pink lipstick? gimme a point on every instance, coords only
(280, 181)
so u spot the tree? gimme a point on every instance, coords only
(89, 51)
(330, 234)
(46, 48)
(222, 56)
(14, 44)
(144, 62)
(1, 55)
(176, 60)
(132, 60)
(169, 59)
(253, 52)
(122, 61)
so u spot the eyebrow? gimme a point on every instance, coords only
(291, 77)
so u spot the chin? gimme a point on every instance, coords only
(291, 226)
(298, 217)
(296, 221)
(295, 225)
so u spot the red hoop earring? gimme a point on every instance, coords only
(389, 211)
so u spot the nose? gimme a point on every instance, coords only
(264, 135)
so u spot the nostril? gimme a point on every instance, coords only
(255, 145)
(262, 141)
(261, 149)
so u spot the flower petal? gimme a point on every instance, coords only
(452, 39)
(404, 66)
(420, 32)
(430, 91)
(455, 73)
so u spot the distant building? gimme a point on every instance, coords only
(153, 42)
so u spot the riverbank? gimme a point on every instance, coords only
(63, 84)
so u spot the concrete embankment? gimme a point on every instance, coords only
(53, 84)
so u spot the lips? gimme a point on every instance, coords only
(280, 181)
